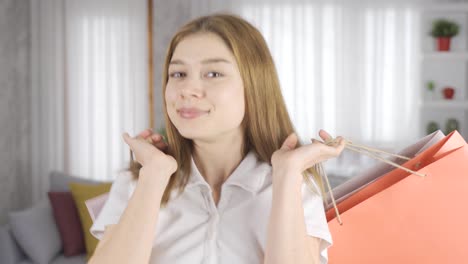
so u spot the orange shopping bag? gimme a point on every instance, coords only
(413, 220)
(348, 198)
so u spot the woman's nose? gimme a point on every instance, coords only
(192, 87)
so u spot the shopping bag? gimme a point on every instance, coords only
(357, 194)
(344, 190)
(414, 220)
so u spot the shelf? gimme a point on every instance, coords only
(446, 104)
(448, 55)
(444, 68)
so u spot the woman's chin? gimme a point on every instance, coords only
(192, 134)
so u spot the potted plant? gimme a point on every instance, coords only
(430, 87)
(444, 30)
(432, 127)
(451, 125)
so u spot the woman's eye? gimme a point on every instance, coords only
(214, 74)
(177, 75)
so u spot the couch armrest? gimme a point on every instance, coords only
(10, 253)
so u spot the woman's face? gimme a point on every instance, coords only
(204, 92)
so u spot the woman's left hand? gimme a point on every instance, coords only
(296, 160)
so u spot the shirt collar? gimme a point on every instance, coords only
(249, 175)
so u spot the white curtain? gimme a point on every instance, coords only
(89, 85)
(349, 67)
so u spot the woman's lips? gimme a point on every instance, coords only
(191, 113)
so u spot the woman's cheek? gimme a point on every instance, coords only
(171, 97)
(170, 94)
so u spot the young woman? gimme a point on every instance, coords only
(232, 185)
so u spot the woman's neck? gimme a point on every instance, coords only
(217, 159)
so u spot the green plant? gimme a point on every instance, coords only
(451, 125)
(444, 28)
(430, 86)
(432, 127)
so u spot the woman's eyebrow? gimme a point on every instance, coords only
(206, 61)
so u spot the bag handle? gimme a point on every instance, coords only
(371, 152)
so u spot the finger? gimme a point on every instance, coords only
(162, 147)
(127, 138)
(149, 140)
(332, 152)
(139, 137)
(341, 140)
(145, 133)
(340, 144)
(316, 141)
(156, 137)
(290, 142)
(161, 144)
(324, 135)
(130, 140)
(335, 143)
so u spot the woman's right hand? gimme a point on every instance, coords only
(148, 149)
(155, 139)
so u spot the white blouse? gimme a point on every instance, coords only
(191, 229)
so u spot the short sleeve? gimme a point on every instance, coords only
(117, 201)
(315, 219)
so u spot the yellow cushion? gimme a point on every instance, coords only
(81, 193)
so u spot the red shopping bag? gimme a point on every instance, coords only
(449, 143)
(411, 220)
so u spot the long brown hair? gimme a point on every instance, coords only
(266, 123)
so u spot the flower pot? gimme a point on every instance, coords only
(448, 92)
(443, 43)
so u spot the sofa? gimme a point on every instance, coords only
(35, 241)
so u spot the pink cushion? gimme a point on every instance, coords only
(68, 223)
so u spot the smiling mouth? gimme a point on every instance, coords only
(191, 114)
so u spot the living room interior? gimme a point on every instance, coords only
(75, 75)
